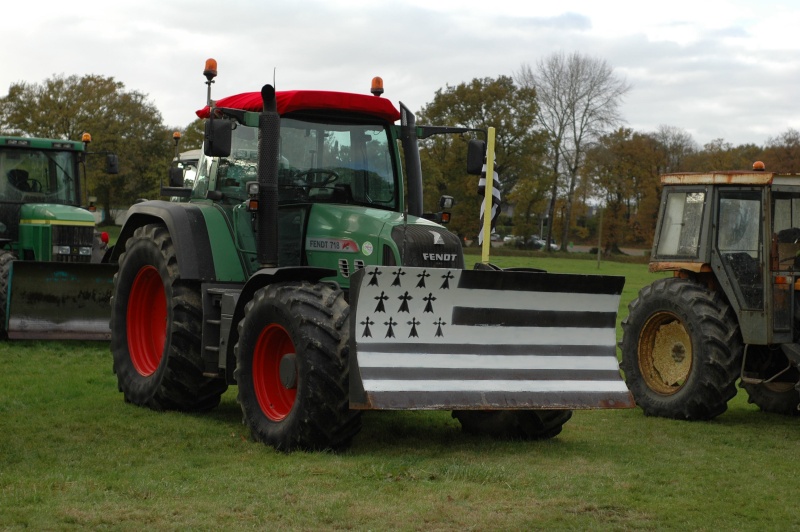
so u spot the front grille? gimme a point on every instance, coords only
(75, 237)
(428, 246)
(344, 267)
(388, 256)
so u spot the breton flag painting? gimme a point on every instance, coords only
(455, 339)
(495, 210)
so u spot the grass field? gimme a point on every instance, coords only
(74, 455)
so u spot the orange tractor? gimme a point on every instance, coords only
(730, 312)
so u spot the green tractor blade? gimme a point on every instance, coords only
(442, 339)
(59, 301)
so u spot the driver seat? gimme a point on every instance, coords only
(19, 178)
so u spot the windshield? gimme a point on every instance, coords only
(319, 162)
(49, 176)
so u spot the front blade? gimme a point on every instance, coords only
(60, 301)
(478, 339)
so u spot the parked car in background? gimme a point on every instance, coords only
(536, 242)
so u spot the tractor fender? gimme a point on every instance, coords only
(262, 278)
(186, 225)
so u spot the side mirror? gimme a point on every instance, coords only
(446, 204)
(476, 153)
(218, 138)
(176, 177)
(112, 163)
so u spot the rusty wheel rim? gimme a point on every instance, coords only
(665, 353)
(778, 386)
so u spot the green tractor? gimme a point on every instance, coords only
(52, 285)
(304, 270)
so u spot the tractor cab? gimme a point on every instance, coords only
(321, 161)
(741, 232)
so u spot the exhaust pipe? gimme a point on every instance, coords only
(269, 130)
(411, 150)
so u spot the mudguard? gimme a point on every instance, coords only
(452, 339)
(59, 301)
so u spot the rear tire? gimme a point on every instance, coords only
(774, 397)
(780, 395)
(156, 328)
(293, 369)
(513, 424)
(681, 350)
(5, 265)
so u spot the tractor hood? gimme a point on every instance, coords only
(51, 212)
(375, 236)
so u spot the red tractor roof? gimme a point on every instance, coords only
(289, 101)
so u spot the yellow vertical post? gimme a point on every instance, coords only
(487, 198)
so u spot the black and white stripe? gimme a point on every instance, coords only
(495, 201)
(484, 339)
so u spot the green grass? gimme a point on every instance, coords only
(74, 455)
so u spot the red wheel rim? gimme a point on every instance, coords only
(275, 399)
(147, 321)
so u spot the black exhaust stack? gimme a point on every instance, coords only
(269, 130)
(411, 150)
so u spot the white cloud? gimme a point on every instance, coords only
(719, 68)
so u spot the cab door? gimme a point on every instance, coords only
(785, 261)
(738, 257)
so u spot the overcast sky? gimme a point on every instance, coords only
(715, 68)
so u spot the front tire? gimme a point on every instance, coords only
(156, 328)
(681, 350)
(6, 257)
(513, 424)
(293, 369)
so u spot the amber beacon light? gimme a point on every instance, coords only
(377, 86)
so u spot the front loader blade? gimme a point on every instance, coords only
(441, 339)
(59, 301)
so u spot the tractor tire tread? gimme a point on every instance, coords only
(320, 417)
(513, 424)
(6, 257)
(182, 385)
(716, 347)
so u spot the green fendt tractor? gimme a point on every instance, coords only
(304, 270)
(51, 283)
(731, 311)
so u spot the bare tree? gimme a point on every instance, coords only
(579, 99)
(677, 145)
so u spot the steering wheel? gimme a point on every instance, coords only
(35, 186)
(331, 176)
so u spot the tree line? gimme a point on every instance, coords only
(564, 154)
(120, 121)
(562, 150)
